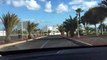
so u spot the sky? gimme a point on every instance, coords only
(45, 12)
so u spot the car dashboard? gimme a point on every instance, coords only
(62, 53)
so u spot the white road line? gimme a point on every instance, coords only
(82, 42)
(58, 52)
(0, 55)
(44, 44)
(85, 43)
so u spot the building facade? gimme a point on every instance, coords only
(2, 33)
(22, 25)
(53, 30)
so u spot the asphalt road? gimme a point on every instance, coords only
(47, 42)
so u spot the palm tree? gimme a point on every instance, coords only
(70, 25)
(30, 28)
(66, 26)
(103, 3)
(61, 29)
(9, 21)
(73, 24)
(49, 31)
(78, 11)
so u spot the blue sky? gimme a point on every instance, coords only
(45, 12)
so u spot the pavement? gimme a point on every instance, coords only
(46, 42)
(18, 42)
(92, 41)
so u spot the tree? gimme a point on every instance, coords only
(102, 12)
(30, 28)
(9, 21)
(103, 3)
(71, 25)
(78, 11)
(83, 21)
(102, 27)
(49, 31)
(95, 15)
(61, 29)
(66, 26)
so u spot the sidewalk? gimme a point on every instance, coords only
(18, 42)
(92, 41)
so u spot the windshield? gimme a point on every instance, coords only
(38, 24)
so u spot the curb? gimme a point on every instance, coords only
(88, 44)
(79, 42)
(10, 44)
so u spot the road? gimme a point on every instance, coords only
(47, 42)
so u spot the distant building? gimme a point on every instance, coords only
(2, 33)
(54, 30)
(22, 25)
(45, 29)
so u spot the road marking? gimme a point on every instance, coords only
(84, 42)
(0, 55)
(44, 44)
(58, 52)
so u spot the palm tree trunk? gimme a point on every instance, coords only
(62, 33)
(78, 26)
(67, 33)
(71, 34)
(101, 29)
(29, 36)
(7, 38)
(85, 28)
(96, 30)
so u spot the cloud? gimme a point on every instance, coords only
(75, 2)
(83, 4)
(34, 20)
(29, 4)
(80, 6)
(90, 4)
(62, 8)
(32, 5)
(48, 7)
(16, 3)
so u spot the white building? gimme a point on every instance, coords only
(2, 33)
(22, 25)
(54, 30)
